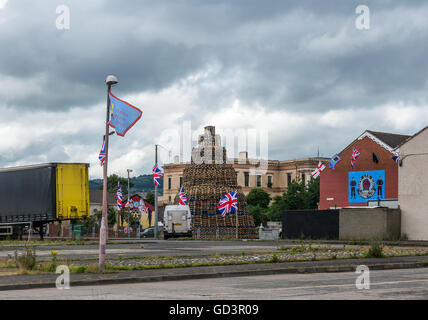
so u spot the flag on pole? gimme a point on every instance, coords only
(355, 155)
(334, 161)
(157, 174)
(228, 203)
(102, 155)
(182, 197)
(320, 168)
(123, 115)
(119, 196)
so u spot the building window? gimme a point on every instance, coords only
(259, 181)
(288, 179)
(247, 179)
(304, 178)
(269, 182)
(169, 183)
(181, 182)
(169, 199)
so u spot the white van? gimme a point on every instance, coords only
(177, 221)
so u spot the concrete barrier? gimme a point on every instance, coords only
(369, 223)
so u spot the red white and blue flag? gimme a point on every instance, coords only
(102, 155)
(228, 203)
(157, 174)
(355, 155)
(320, 168)
(119, 196)
(182, 197)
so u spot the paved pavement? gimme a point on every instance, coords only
(385, 284)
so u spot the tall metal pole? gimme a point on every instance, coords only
(156, 196)
(129, 218)
(129, 210)
(111, 80)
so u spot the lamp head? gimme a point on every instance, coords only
(111, 80)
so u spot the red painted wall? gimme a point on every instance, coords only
(334, 183)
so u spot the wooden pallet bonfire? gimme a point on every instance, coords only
(205, 180)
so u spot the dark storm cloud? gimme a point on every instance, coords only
(151, 45)
(299, 57)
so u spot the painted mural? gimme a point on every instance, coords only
(366, 185)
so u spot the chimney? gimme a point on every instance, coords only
(243, 155)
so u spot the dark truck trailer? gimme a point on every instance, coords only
(39, 194)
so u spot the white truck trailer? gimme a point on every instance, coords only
(177, 221)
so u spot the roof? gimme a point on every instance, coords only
(96, 196)
(391, 139)
(411, 137)
(38, 166)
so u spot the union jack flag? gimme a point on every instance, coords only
(355, 155)
(119, 196)
(228, 203)
(157, 174)
(182, 197)
(102, 156)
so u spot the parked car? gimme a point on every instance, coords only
(150, 232)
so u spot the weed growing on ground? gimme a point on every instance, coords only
(27, 260)
(375, 250)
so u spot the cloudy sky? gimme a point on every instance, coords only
(300, 69)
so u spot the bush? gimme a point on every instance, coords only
(375, 250)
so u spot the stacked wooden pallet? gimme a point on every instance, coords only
(204, 185)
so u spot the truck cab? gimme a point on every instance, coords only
(177, 221)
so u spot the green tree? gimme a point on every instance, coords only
(276, 209)
(313, 193)
(112, 181)
(258, 197)
(150, 198)
(297, 197)
(259, 214)
(111, 217)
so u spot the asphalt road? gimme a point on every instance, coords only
(386, 284)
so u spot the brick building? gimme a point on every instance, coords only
(373, 178)
(274, 180)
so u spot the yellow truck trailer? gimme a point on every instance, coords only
(39, 194)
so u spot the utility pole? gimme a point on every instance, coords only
(110, 81)
(129, 209)
(156, 196)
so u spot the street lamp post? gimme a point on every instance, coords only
(110, 81)
(129, 209)
(156, 196)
